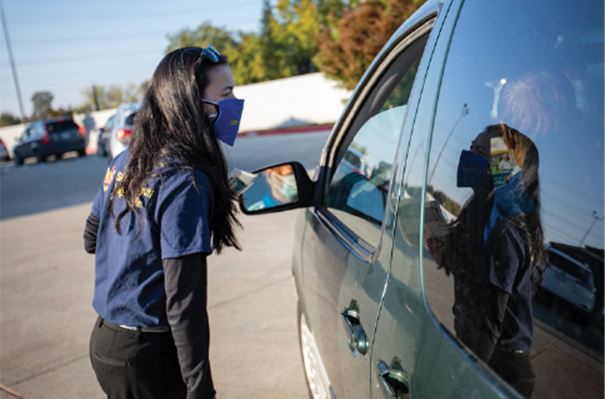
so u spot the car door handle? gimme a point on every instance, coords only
(358, 343)
(394, 384)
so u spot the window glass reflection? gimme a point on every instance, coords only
(358, 191)
(513, 212)
(271, 188)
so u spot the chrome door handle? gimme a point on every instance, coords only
(394, 384)
(358, 343)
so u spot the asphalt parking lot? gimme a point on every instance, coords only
(46, 283)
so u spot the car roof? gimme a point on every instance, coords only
(128, 107)
(55, 119)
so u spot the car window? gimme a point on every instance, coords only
(571, 268)
(110, 122)
(60, 126)
(357, 192)
(129, 120)
(516, 165)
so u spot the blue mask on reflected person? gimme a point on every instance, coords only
(226, 124)
(471, 169)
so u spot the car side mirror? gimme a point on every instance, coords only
(277, 188)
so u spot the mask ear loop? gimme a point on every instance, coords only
(218, 110)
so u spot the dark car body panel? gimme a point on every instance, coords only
(50, 137)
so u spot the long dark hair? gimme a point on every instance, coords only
(173, 126)
(531, 222)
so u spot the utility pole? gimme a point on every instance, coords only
(10, 55)
(95, 98)
(594, 215)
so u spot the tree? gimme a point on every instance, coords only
(204, 35)
(285, 45)
(8, 119)
(346, 53)
(112, 96)
(42, 104)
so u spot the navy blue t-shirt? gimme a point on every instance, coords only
(508, 267)
(129, 282)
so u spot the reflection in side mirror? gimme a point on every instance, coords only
(273, 187)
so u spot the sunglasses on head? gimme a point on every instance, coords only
(209, 53)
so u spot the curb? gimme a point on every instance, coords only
(289, 130)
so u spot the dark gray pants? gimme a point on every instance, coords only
(516, 369)
(134, 364)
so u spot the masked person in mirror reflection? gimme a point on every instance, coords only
(495, 250)
(282, 188)
(163, 207)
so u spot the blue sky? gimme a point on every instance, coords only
(64, 46)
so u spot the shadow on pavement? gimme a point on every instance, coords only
(34, 188)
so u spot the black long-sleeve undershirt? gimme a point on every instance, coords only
(185, 282)
(90, 234)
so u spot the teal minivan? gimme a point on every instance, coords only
(480, 125)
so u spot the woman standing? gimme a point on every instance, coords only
(164, 205)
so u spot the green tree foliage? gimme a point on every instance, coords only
(43, 107)
(112, 96)
(340, 37)
(8, 119)
(347, 51)
(285, 45)
(42, 101)
(204, 35)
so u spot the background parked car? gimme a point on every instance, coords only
(121, 128)
(54, 136)
(375, 311)
(570, 282)
(103, 139)
(4, 155)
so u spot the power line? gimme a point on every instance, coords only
(53, 19)
(573, 190)
(549, 196)
(567, 222)
(122, 37)
(96, 58)
(550, 227)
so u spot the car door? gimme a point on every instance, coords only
(543, 76)
(347, 242)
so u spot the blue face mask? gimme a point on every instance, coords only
(226, 124)
(471, 169)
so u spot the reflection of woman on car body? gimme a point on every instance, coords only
(494, 252)
(496, 248)
(165, 204)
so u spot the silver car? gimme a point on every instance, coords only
(121, 129)
(569, 280)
